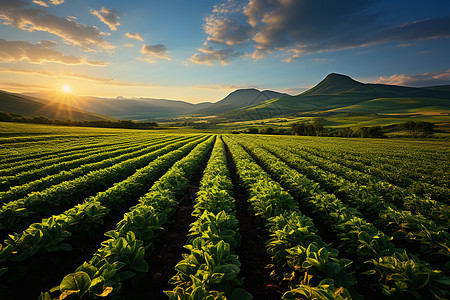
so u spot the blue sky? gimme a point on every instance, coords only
(202, 50)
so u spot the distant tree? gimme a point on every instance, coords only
(252, 130)
(417, 129)
(270, 130)
(345, 132)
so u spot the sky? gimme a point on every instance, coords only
(201, 50)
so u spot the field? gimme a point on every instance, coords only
(125, 214)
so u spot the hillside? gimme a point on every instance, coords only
(238, 99)
(17, 104)
(340, 93)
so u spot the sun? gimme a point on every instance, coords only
(66, 89)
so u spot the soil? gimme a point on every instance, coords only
(252, 253)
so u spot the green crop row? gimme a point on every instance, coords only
(16, 213)
(393, 270)
(432, 240)
(103, 160)
(45, 168)
(60, 148)
(123, 254)
(311, 267)
(49, 235)
(211, 268)
(400, 197)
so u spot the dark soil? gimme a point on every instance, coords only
(252, 253)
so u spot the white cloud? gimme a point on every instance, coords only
(153, 52)
(46, 3)
(108, 16)
(39, 53)
(209, 56)
(417, 80)
(296, 28)
(17, 14)
(134, 35)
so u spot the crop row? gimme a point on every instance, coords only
(211, 268)
(429, 239)
(404, 198)
(104, 160)
(15, 214)
(300, 256)
(45, 166)
(45, 161)
(123, 255)
(407, 176)
(51, 234)
(11, 182)
(392, 270)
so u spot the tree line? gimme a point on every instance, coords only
(316, 127)
(128, 124)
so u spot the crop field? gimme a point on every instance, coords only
(126, 214)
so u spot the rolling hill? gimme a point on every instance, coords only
(18, 104)
(238, 99)
(340, 93)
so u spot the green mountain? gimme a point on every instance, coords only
(340, 93)
(238, 99)
(18, 104)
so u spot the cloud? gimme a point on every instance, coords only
(128, 45)
(209, 56)
(297, 28)
(17, 14)
(108, 16)
(47, 44)
(226, 31)
(225, 87)
(39, 53)
(46, 3)
(99, 80)
(134, 35)
(418, 80)
(153, 52)
(19, 85)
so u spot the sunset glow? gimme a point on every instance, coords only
(66, 89)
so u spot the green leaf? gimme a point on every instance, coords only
(185, 268)
(78, 282)
(45, 296)
(97, 284)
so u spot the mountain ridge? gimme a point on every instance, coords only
(17, 104)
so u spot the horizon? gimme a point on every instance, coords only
(202, 51)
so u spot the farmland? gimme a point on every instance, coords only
(109, 213)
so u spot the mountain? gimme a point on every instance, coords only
(138, 108)
(333, 84)
(340, 93)
(135, 108)
(18, 104)
(238, 99)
